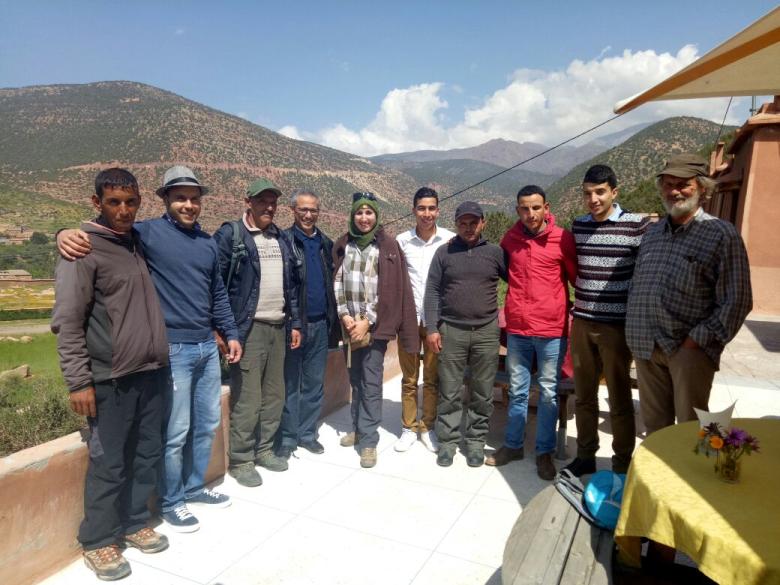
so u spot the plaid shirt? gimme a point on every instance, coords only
(689, 281)
(357, 282)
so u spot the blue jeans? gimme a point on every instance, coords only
(304, 375)
(550, 352)
(191, 417)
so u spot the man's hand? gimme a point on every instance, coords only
(221, 343)
(73, 244)
(234, 351)
(689, 343)
(83, 402)
(359, 329)
(434, 342)
(295, 339)
(348, 322)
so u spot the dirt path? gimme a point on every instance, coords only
(26, 327)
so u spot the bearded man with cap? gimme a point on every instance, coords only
(461, 312)
(689, 296)
(263, 297)
(184, 265)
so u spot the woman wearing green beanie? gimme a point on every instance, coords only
(375, 304)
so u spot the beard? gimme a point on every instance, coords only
(682, 206)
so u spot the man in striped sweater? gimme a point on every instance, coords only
(607, 241)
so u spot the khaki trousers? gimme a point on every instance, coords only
(410, 369)
(598, 348)
(672, 385)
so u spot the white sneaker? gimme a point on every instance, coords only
(431, 442)
(408, 438)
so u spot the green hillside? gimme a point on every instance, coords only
(636, 162)
(54, 139)
(39, 213)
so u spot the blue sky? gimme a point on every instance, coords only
(373, 77)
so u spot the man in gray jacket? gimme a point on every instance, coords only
(113, 351)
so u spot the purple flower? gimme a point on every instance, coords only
(736, 438)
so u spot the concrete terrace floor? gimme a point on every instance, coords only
(407, 521)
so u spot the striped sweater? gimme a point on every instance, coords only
(606, 253)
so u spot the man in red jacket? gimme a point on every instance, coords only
(541, 259)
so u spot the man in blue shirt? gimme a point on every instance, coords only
(304, 368)
(184, 265)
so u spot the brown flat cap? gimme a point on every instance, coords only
(685, 166)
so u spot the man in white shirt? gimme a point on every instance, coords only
(419, 245)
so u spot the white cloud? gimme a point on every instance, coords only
(290, 132)
(179, 31)
(536, 106)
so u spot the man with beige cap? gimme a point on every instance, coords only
(689, 296)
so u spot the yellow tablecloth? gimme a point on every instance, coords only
(674, 497)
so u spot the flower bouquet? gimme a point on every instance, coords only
(729, 446)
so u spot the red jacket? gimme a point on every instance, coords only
(539, 267)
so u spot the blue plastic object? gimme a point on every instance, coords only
(603, 496)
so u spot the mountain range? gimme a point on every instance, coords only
(54, 139)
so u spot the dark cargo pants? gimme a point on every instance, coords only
(477, 348)
(125, 444)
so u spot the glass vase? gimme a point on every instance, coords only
(728, 468)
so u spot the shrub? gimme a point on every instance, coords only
(33, 412)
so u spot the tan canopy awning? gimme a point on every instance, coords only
(746, 64)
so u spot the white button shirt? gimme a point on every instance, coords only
(419, 255)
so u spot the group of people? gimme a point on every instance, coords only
(144, 309)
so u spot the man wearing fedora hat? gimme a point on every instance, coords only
(689, 296)
(257, 268)
(184, 264)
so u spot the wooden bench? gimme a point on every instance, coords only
(552, 544)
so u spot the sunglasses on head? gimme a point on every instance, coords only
(366, 195)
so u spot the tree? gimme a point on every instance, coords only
(39, 238)
(497, 223)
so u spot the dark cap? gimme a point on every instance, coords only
(261, 185)
(469, 208)
(685, 166)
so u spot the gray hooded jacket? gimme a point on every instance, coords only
(106, 314)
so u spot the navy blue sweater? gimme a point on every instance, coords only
(185, 268)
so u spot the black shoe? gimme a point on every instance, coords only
(313, 447)
(285, 452)
(475, 458)
(580, 467)
(444, 458)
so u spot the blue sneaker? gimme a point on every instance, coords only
(210, 498)
(181, 519)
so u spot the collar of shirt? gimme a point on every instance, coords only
(671, 227)
(299, 232)
(616, 211)
(271, 229)
(173, 222)
(435, 238)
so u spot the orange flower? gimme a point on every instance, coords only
(702, 433)
(716, 442)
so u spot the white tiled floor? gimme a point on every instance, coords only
(407, 521)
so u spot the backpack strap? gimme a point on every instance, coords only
(571, 488)
(238, 252)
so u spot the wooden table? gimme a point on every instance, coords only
(674, 497)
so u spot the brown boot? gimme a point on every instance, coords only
(147, 541)
(348, 440)
(107, 562)
(368, 457)
(544, 467)
(504, 455)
